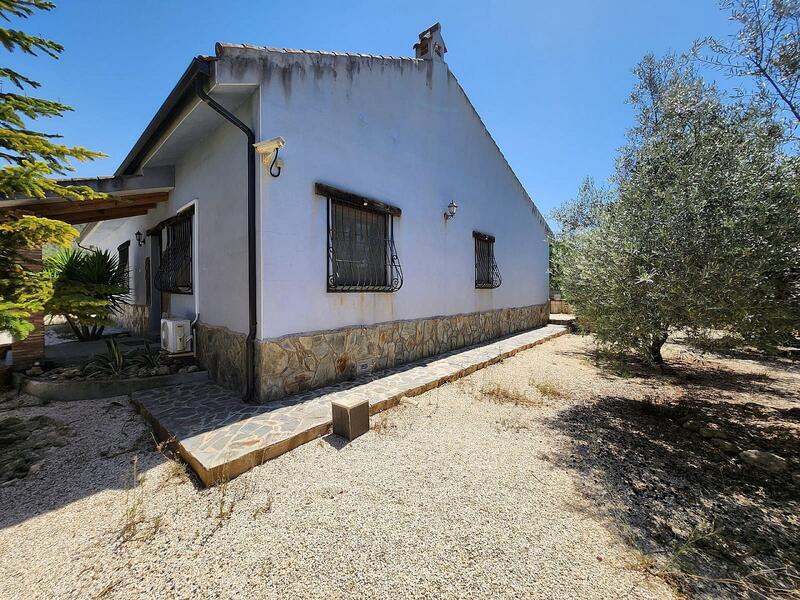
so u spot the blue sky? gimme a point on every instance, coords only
(550, 79)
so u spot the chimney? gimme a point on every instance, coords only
(431, 45)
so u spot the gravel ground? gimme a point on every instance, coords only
(480, 488)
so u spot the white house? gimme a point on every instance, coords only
(304, 222)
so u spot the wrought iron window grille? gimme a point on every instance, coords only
(361, 255)
(487, 275)
(174, 274)
(123, 260)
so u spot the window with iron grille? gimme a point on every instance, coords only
(361, 253)
(123, 256)
(487, 275)
(174, 273)
(147, 291)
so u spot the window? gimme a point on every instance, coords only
(147, 292)
(361, 251)
(123, 260)
(174, 274)
(486, 274)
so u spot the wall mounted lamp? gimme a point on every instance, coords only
(268, 149)
(451, 211)
(140, 239)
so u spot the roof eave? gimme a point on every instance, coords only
(177, 100)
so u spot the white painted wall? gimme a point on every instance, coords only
(111, 234)
(212, 175)
(214, 172)
(404, 133)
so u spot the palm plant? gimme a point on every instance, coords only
(89, 286)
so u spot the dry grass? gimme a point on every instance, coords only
(136, 525)
(513, 424)
(504, 395)
(548, 390)
(383, 424)
(227, 494)
(177, 473)
(263, 509)
(134, 515)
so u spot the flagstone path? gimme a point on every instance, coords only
(221, 437)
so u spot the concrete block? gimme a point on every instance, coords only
(350, 418)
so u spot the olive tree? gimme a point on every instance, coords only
(765, 50)
(702, 231)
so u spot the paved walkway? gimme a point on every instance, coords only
(562, 319)
(221, 437)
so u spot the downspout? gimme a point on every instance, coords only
(250, 393)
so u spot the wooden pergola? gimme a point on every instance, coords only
(90, 211)
(126, 196)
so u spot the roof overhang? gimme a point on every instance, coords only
(183, 118)
(127, 197)
(180, 99)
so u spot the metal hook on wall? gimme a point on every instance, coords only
(274, 165)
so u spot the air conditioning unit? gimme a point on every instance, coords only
(176, 335)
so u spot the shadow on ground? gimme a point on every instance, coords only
(690, 370)
(55, 454)
(698, 514)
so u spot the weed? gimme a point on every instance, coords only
(644, 562)
(382, 424)
(515, 425)
(548, 390)
(176, 472)
(503, 395)
(263, 509)
(107, 589)
(227, 497)
(134, 515)
(697, 536)
(153, 526)
(136, 526)
(223, 507)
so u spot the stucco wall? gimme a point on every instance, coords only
(404, 133)
(212, 174)
(111, 234)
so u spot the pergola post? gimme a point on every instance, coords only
(31, 349)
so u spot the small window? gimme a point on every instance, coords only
(123, 260)
(486, 274)
(361, 251)
(174, 274)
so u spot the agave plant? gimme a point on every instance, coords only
(114, 363)
(147, 357)
(89, 286)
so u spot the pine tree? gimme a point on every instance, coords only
(30, 159)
